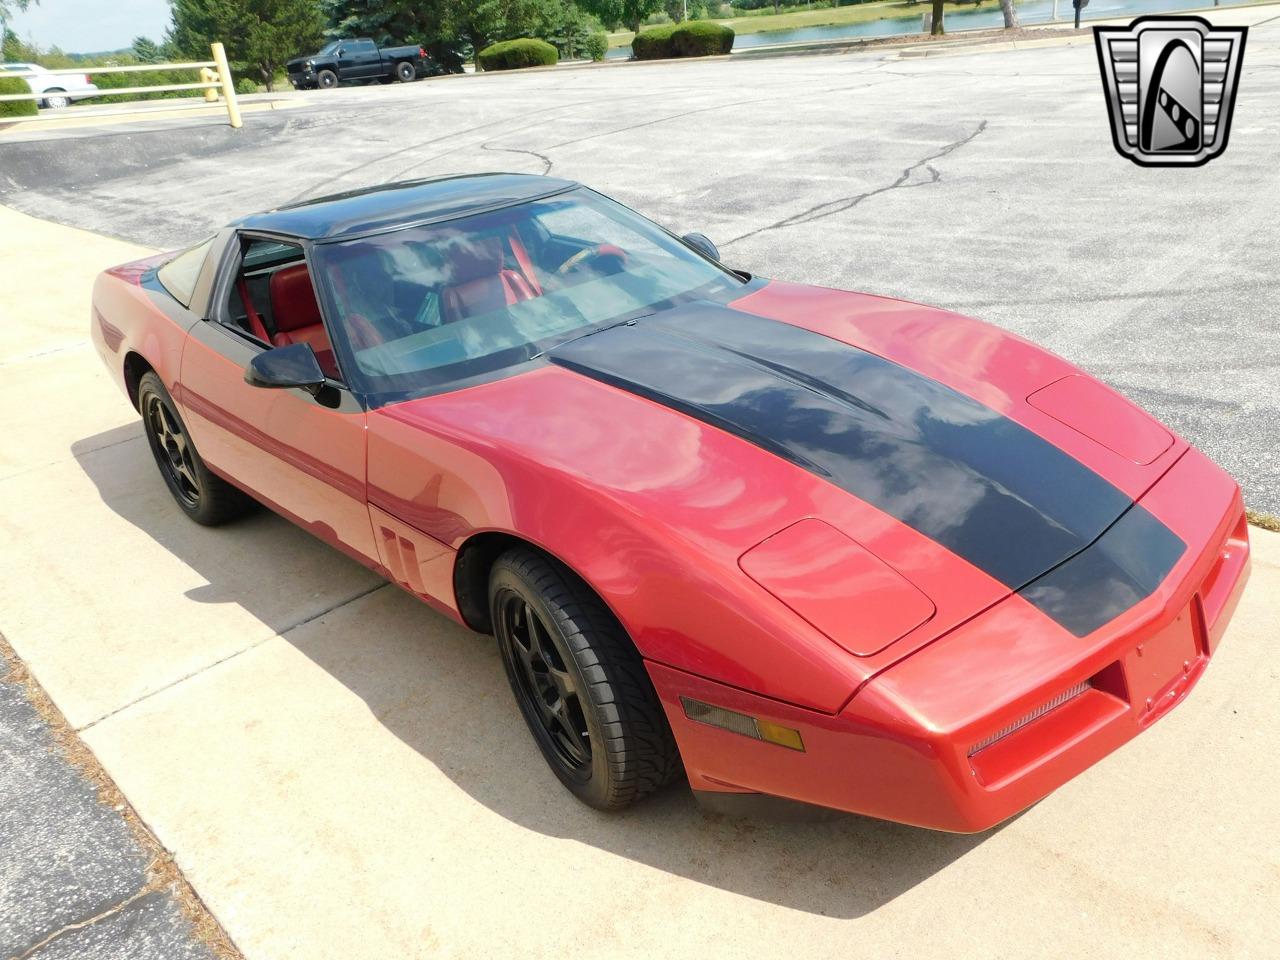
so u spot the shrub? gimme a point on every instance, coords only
(697, 38)
(514, 54)
(245, 85)
(16, 108)
(147, 78)
(654, 43)
(596, 46)
(701, 38)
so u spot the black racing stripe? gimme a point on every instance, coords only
(962, 474)
(1125, 565)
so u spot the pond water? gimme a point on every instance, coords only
(1032, 11)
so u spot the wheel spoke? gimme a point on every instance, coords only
(186, 473)
(157, 422)
(576, 739)
(563, 681)
(170, 428)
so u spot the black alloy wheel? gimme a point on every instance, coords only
(544, 685)
(203, 496)
(326, 79)
(173, 451)
(405, 71)
(579, 683)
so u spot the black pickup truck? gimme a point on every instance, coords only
(360, 59)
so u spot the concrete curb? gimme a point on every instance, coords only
(179, 109)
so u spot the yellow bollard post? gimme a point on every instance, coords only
(228, 88)
(208, 76)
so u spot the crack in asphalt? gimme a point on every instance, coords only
(87, 922)
(310, 191)
(547, 161)
(832, 207)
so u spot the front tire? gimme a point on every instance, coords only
(405, 72)
(56, 100)
(579, 683)
(205, 498)
(326, 80)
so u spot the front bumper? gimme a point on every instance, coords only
(991, 717)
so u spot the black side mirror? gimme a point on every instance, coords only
(284, 367)
(700, 243)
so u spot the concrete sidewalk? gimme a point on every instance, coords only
(80, 876)
(339, 772)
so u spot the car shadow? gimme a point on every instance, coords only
(440, 689)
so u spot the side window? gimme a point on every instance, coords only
(180, 274)
(362, 46)
(272, 300)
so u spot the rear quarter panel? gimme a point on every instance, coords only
(128, 317)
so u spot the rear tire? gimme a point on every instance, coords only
(406, 72)
(58, 101)
(205, 498)
(326, 80)
(580, 683)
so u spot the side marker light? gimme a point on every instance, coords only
(741, 723)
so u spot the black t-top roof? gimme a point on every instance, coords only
(408, 202)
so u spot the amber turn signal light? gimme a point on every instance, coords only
(741, 723)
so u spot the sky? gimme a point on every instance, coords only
(87, 26)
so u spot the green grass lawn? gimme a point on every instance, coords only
(832, 16)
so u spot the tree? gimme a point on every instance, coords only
(383, 21)
(147, 50)
(258, 34)
(630, 13)
(7, 8)
(1010, 15)
(938, 13)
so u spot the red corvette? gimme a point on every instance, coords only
(801, 543)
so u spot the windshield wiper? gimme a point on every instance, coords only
(629, 322)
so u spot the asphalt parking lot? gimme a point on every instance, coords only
(339, 772)
(985, 182)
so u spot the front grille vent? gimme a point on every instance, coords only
(1036, 714)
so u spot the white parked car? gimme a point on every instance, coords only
(59, 88)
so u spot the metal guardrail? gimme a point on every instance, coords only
(215, 77)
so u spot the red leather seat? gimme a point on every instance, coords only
(297, 315)
(480, 281)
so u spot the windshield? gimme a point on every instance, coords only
(425, 308)
(329, 48)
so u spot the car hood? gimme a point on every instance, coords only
(904, 428)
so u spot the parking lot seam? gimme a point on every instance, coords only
(53, 463)
(231, 656)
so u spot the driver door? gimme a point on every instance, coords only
(358, 59)
(303, 455)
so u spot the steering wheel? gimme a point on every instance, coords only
(588, 253)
